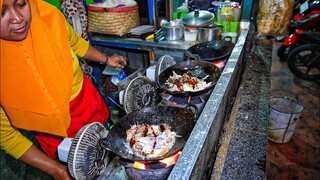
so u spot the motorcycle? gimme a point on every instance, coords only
(299, 37)
(304, 60)
(308, 19)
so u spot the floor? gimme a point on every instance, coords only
(300, 157)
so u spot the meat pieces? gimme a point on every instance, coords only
(150, 140)
(185, 83)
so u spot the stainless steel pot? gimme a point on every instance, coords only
(209, 33)
(198, 18)
(172, 30)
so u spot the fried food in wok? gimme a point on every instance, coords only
(186, 82)
(150, 140)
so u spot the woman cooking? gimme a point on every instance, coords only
(43, 88)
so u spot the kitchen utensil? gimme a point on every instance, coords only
(158, 35)
(212, 50)
(181, 121)
(163, 21)
(209, 33)
(164, 62)
(172, 30)
(198, 18)
(232, 35)
(207, 71)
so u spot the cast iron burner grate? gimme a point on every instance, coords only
(155, 171)
(183, 101)
(150, 170)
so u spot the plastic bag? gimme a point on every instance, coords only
(274, 16)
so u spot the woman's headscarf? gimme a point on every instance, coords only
(36, 73)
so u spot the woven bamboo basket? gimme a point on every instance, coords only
(113, 21)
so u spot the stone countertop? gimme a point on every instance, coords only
(243, 149)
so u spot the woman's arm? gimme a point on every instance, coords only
(83, 49)
(18, 146)
(95, 55)
(38, 159)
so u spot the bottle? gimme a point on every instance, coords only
(226, 10)
(182, 11)
(115, 79)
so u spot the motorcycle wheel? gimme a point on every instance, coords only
(304, 61)
(284, 50)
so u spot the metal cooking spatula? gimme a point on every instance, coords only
(117, 145)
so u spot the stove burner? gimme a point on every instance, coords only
(150, 170)
(151, 174)
(183, 101)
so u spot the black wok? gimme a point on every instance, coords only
(211, 50)
(195, 68)
(181, 121)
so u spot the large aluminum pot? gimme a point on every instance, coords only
(172, 30)
(198, 18)
(209, 33)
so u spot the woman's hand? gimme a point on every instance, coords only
(38, 159)
(116, 61)
(60, 172)
(97, 56)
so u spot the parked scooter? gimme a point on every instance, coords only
(294, 40)
(308, 19)
(296, 7)
(304, 60)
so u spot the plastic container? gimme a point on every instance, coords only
(190, 35)
(284, 116)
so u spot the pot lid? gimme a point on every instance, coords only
(163, 63)
(141, 92)
(87, 159)
(198, 18)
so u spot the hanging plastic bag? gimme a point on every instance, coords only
(274, 16)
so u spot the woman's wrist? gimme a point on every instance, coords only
(105, 61)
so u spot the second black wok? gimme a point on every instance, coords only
(206, 71)
(211, 50)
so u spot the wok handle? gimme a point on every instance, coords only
(193, 109)
(228, 38)
(192, 56)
